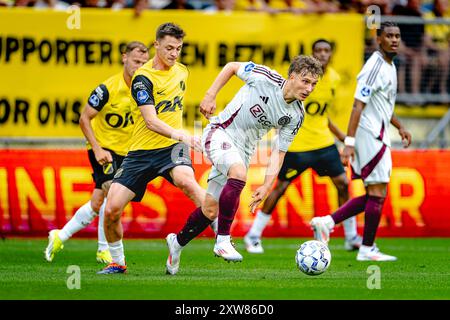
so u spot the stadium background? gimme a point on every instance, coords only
(48, 69)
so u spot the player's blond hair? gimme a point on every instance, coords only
(306, 64)
(135, 45)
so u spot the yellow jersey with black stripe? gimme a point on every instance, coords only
(165, 90)
(314, 133)
(113, 124)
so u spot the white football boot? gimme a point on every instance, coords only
(173, 260)
(322, 227)
(373, 254)
(353, 243)
(227, 251)
(253, 244)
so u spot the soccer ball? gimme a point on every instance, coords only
(313, 257)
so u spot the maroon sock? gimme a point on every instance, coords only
(228, 204)
(195, 224)
(349, 209)
(374, 207)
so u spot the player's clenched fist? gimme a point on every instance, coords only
(208, 106)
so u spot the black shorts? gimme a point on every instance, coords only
(142, 166)
(100, 176)
(325, 161)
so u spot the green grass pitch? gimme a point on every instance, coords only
(421, 272)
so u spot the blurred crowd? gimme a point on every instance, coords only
(272, 6)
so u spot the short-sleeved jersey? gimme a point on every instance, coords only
(163, 89)
(377, 88)
(113, 124)
(314, 133)
(258, 107)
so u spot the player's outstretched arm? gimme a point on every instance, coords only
(157, 125)
(349, 141)
(102, 156)
(208, 104)
(405, 134)
(273, 168)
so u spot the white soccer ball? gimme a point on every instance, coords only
(313, 257)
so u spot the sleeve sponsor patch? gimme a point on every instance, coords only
(142, 96)
(142, 91)
(249, 67)
(99, 97)
(365, 91)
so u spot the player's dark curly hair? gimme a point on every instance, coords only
(170, 29)
(306, 64)
(384, 25)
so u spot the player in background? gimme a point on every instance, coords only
(107, 124)
(266, 101)
(158, 146)
(314, 147)
(368, 144)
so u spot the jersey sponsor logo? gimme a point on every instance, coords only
(142, 96)
(249, 67)
(169, 106)
(284, 120)
(258, 112)
(94, 100)
(314, 108)
(365, 91)
(115, 120)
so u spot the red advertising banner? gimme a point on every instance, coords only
(41, 190)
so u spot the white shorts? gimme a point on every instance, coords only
(222, 152)
(373, 162)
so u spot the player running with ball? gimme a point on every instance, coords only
(266, 101)
(313, 147)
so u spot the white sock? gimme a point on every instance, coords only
(102, 242)
(259, 224)
(81, 219)
(116, 250)
(223, 238)
(350, 228)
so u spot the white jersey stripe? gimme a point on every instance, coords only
(374, 72)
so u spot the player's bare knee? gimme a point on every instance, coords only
(238, 171)
(210, 211)
(112, 213)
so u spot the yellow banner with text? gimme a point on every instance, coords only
(50, 61)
